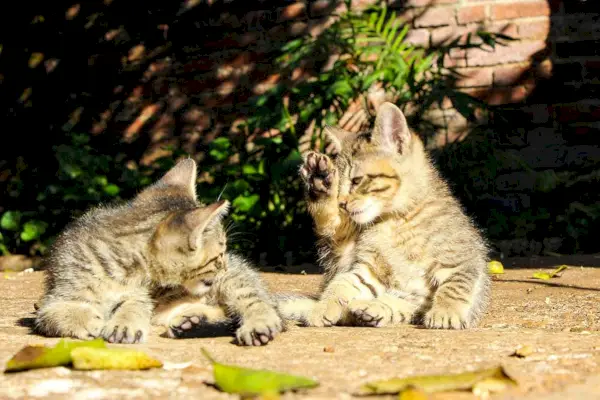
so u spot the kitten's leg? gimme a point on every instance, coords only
(75, 319)
(358, 284)
(385, 310)
(321, 179)
(241, 291)
(459, 298)
(130, 319)
(187, 313)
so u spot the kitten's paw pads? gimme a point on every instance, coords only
(371, 313)
(125, 333)
(182, 323)
(446, 318)
(319, 174)
(326, 313)
(259, 331)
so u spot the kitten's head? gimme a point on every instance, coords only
(188, 244)
(382, 171)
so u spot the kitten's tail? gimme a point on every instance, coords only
(295, 307)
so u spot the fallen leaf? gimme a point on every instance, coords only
(437, 383)
(412, 393)
(495, 267)
(252, 382)
(489, 385)
(523, 351)
(546, 276)
(87, 358)
(40, 356)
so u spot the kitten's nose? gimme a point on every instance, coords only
(343, 204)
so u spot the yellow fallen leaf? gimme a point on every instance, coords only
(40, 356)
(412, 393)
(437, 383)
(252, 382)
(495, 267)
(523, 351)
(86, 358)
(489, 385)
(546, 276)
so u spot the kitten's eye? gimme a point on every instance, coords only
(356, 180)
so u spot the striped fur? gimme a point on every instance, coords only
(159, 258)
(395, 244)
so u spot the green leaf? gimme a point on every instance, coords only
(88, 358)
(33, 230)
(40, 356)
(100, 180)
(245, 203)
(248, 169)
(111, 189)
(10, 220)
(248, 382)
(439, 383)
(547, 276)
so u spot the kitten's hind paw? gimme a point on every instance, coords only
(319, 174)
(447, 318)
(260, 329)
(371, 313)
(182, 323)
(326, 313)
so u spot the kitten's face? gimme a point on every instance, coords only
(188, 246)
(370, 166)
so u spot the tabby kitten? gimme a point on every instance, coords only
(395, 244)
(162, 253)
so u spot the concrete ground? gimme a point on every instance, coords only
(560, 319)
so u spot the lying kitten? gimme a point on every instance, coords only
(395, 244)
(109, 269)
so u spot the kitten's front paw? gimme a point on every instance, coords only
(260, 329)
(124, 330)
(447, 317)
(319, 175)
(326, 313)
(371, 313)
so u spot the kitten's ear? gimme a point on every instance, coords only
(183, 174)
(336, 136)
(391, 130)
(199, 219)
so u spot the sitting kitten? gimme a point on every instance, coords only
(395, 244)
(109, 269)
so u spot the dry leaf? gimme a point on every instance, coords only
(252, 382)
(40, 356)
(412, 393)
(86, 358)
(495, 267)
(437, 383)
(523, 351)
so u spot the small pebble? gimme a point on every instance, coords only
(328, 349)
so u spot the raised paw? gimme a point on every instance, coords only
(179, 324)
(319, 174)
(259, 330)
(446, 317)
(371, 313)
(327, 313)
(126, 331)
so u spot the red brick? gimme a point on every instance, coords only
(293, 11)
(534, 29)
(466, 15)
(419, 3)
(505, 28)
(508, 75)
(435, 17)
(516, 52)
(446, 34)
(418, 37)
(474, 77)
(498, 96)
(519, 10)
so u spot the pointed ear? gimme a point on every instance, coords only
(199, 219)
(336, 136)
(183, 174)
(391, 130)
